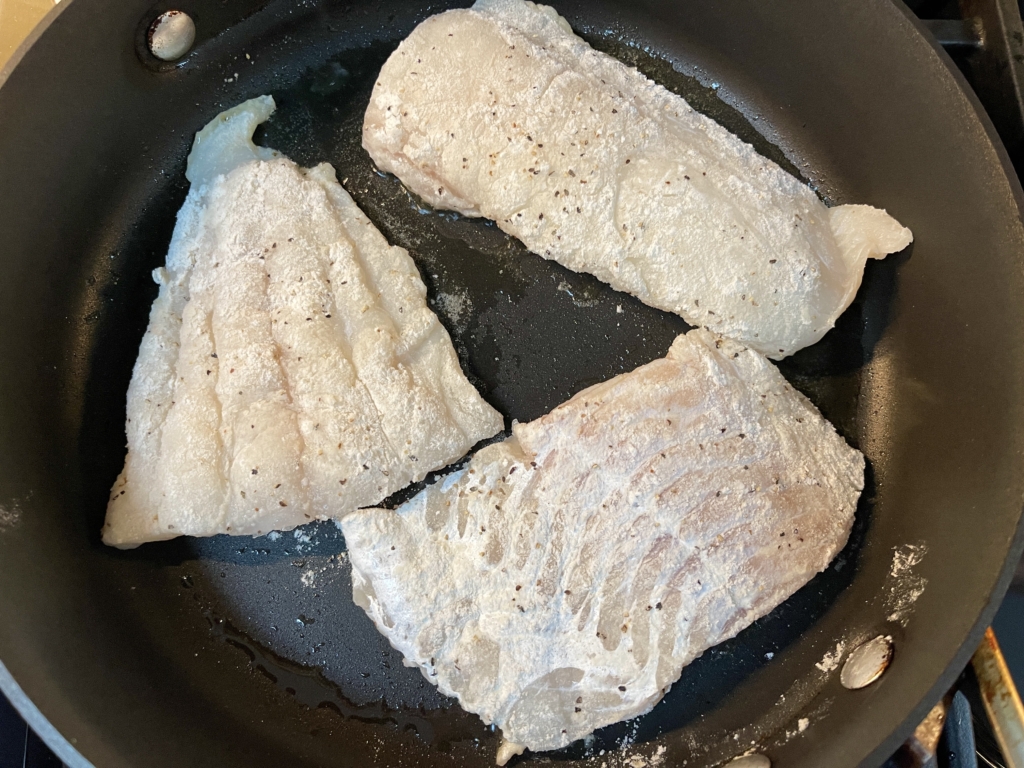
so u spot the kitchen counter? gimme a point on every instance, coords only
(17, 19)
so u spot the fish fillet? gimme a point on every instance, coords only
(562, 580)
(291, 369)
(501, 111)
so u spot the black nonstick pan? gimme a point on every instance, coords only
(249, 652)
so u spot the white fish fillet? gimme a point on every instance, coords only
(291, 369)
(501, 111)
(562, 580)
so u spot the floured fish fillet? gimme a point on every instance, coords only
(501, 111)
(562, 580)
(291, 369)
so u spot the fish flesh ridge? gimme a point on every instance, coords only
(291, 369)
(563, 579)
(501, 111)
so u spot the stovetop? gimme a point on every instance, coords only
(985, 38)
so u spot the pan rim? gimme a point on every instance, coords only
(30, 713)
(38, 722)
(38, 31)
(962, 657)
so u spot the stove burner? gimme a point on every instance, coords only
(985, 38)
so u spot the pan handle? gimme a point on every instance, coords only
(1002, 703)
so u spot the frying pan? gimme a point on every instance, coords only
(249, 652)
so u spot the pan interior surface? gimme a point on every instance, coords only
(250, 652)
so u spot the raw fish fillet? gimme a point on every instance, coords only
(291, 369)
(562, 580)
(501, 111)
